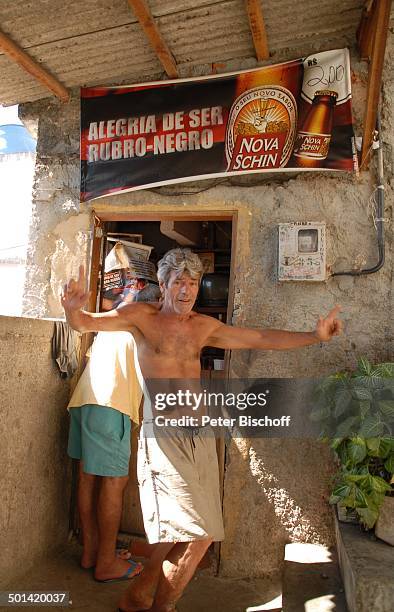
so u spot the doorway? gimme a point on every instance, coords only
(212, 237)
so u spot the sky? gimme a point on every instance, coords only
(16, 182)
(9, 114)
(15, 194)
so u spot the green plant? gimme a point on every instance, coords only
(356, 412)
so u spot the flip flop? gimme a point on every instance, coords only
(132, 572)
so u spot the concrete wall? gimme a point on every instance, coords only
(274, 491)
(35, 474)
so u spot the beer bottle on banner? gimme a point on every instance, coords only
(314, 136)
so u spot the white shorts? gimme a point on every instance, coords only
(178, 477)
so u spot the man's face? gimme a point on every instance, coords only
(181, 292)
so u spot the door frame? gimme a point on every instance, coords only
(99, 218)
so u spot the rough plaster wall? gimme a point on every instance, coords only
(58, 238)
(35, 484)
(284, 485)
(286, 482)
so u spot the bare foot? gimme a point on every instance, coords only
(118, 568)
(123, 553)
(138, 597)
(88, 559)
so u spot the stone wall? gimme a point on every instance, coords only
(35, 471)
(274, 491)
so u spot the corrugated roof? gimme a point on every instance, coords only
(100, 41)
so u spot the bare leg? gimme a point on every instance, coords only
(87, 513)
(109, 512)
(140, 595)
(139, 548)
(178, 570)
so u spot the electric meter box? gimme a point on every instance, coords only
(302, 251)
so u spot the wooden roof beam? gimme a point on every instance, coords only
(30, 65)
(366, 30)
(257, 27)
(152, 32)
(378, 48)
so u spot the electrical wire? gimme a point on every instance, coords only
(228, 181)
(377, 206)
(15, 246)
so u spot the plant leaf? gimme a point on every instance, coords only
(352, 478)
(373, 444)
(389, 464)
(371, 427)
(364, 366)
(364, 408)
(379, 485)
(386, 370)
(386, 407)
(320, 412)
(361, 393)
(341, 451)
(357, 450)
(340, 492)
(383, 449)
(361, 500)
(370, 382)
(347, 427)
(336, 442)
(368, 516)
(342, 399)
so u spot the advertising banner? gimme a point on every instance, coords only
(284, 117)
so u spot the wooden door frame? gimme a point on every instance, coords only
(99, 218)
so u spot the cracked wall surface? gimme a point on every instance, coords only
(275, 491)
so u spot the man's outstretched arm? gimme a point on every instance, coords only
(75, 296)
(228, 337)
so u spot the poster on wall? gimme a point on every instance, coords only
(294, 116)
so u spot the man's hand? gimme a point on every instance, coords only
(74, 294)
(330, 326)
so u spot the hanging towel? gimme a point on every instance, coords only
(64, 348)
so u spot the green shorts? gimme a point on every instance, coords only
(100, 437)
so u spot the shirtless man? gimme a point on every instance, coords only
(169, 339)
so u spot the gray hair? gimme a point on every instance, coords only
(180, 261)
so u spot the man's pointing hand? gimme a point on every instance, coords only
(330, 326)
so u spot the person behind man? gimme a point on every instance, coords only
(105, 402)
(180, 502)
